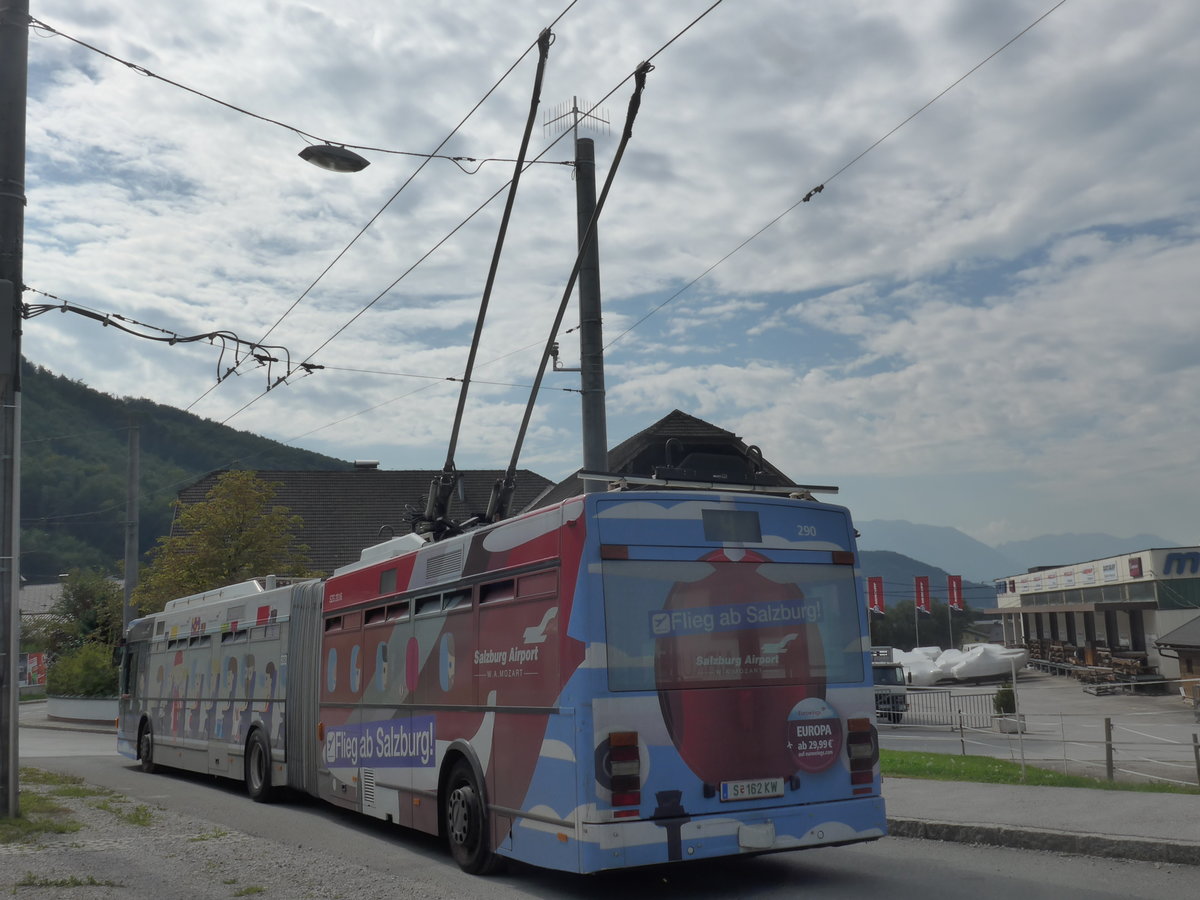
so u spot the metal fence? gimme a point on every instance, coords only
(1155, 739)
(942, 706)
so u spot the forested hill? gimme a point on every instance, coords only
(74, 462)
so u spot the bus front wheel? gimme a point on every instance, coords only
(466, 822)
(146, 748)
(258, 768)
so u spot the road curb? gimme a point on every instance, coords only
(80, 728)
(1078, 843)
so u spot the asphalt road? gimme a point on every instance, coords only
(292, 848)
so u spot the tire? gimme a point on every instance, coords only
(146, 749)
(258, 768)
(466, 822)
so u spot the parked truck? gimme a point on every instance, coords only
(891, 688)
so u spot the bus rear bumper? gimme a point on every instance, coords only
(655, 841)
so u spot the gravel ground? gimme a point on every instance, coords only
(126, 850)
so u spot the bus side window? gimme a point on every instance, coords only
(456, 599)
(129, 663)
(387, 581)
(539, 584)
(498, 590)
(423, 606)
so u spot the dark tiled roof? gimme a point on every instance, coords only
(646, 450)
(1186, 635)
(344, 512)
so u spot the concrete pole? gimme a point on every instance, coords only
(591, 336)
(14, 55)
(131, 526)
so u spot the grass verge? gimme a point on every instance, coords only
(33, 880)
(39, 816)
(942, 767)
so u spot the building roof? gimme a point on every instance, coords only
(675, 441)
(39, 598)
(1186, 636)
(346, 511)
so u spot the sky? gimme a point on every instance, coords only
(987, 319)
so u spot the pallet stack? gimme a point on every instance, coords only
(1129, 666)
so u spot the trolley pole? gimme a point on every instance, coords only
(14, 57)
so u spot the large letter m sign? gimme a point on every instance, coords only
(1182, 564)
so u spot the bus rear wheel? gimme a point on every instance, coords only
(466, 822)
(258, 768)
(146, 748)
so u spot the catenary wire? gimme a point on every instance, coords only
(482, 206)
(821, 187)
(388, 203)
(38, 24)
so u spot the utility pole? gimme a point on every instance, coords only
(14, 57)
(591, 336)
(131, 526)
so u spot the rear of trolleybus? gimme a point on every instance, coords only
(738, 716)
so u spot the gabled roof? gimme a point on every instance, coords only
(38, 598)
(649, 449)
(344, 512)
(1186, 637)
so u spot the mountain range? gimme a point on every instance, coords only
(960, 554)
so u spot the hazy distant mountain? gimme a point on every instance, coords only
(940, 546)
(1063, 549)
(960, 554)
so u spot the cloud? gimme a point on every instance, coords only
(1000, 286)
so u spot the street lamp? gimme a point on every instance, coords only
(334, 158)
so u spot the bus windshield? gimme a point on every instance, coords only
(710, 623)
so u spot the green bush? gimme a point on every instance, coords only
(1004, 702)
(86, 672)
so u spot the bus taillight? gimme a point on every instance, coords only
(862, 747)
(625, 765)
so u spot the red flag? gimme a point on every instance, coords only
(875, 595)
(954, 591)
(922, 587)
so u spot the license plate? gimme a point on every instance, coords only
(752, 789)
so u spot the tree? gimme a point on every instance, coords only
(233, 535)
(898, 629)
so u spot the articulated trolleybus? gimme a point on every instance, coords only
(621, 679)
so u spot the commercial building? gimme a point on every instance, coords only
(1092, 611)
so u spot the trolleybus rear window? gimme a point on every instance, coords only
(710, 624)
